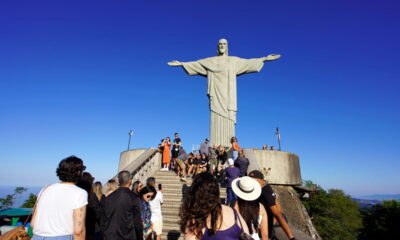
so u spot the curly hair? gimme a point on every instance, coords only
(202, 201)
(70, 169)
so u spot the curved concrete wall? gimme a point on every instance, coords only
(282, 168)
(128, 156)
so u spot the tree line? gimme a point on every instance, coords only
(337, 217)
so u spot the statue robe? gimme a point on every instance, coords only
(221, 72)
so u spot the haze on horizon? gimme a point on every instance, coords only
(77, 76)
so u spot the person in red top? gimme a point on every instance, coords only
(235, 147)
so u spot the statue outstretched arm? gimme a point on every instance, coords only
(191, 68)
(271, 57)
(175, 63)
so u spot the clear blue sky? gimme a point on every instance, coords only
(76, 76)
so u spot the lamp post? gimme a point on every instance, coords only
(278, 135)
(129, 141)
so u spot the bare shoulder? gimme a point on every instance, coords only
(228, 217)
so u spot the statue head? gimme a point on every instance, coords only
(222, 48)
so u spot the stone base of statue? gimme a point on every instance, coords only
(279, 167)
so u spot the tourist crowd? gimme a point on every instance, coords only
(213, 159)
(76, 208)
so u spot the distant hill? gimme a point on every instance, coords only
(382, 197)
(366, 203)
(371, 200)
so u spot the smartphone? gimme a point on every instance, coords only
(159, 186)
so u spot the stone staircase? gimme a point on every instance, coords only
(174, 191)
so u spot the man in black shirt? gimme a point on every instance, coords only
(176, 146)
(267, 198)
(122, 212)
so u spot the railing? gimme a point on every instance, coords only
(144, 165)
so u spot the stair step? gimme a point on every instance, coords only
(174, 191)
(171, 226)
(169, 179)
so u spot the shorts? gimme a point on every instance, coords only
(180, 163)
(157, 227)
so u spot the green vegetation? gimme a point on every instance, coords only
(9, 200)
(381, 221)
(30, 202)
(335, 215)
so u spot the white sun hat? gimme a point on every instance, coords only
(246, 188)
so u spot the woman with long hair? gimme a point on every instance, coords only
(98, 190)
(136, 187)
(202, 216)
(95, 207)
(248, 191)
(222, 157)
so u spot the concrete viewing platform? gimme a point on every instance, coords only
(279, 167)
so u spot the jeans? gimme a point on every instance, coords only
(65, 237)
(230, 195)
(235, 155)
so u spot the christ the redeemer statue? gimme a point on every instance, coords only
(221, 72)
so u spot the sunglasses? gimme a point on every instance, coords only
(148, 196)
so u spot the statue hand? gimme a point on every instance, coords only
(272, 57)
(174, 63)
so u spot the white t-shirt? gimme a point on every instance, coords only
(155, 207)
(54, 213)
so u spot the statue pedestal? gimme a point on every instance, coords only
(280, 168)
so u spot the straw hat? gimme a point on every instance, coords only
(246, 188)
